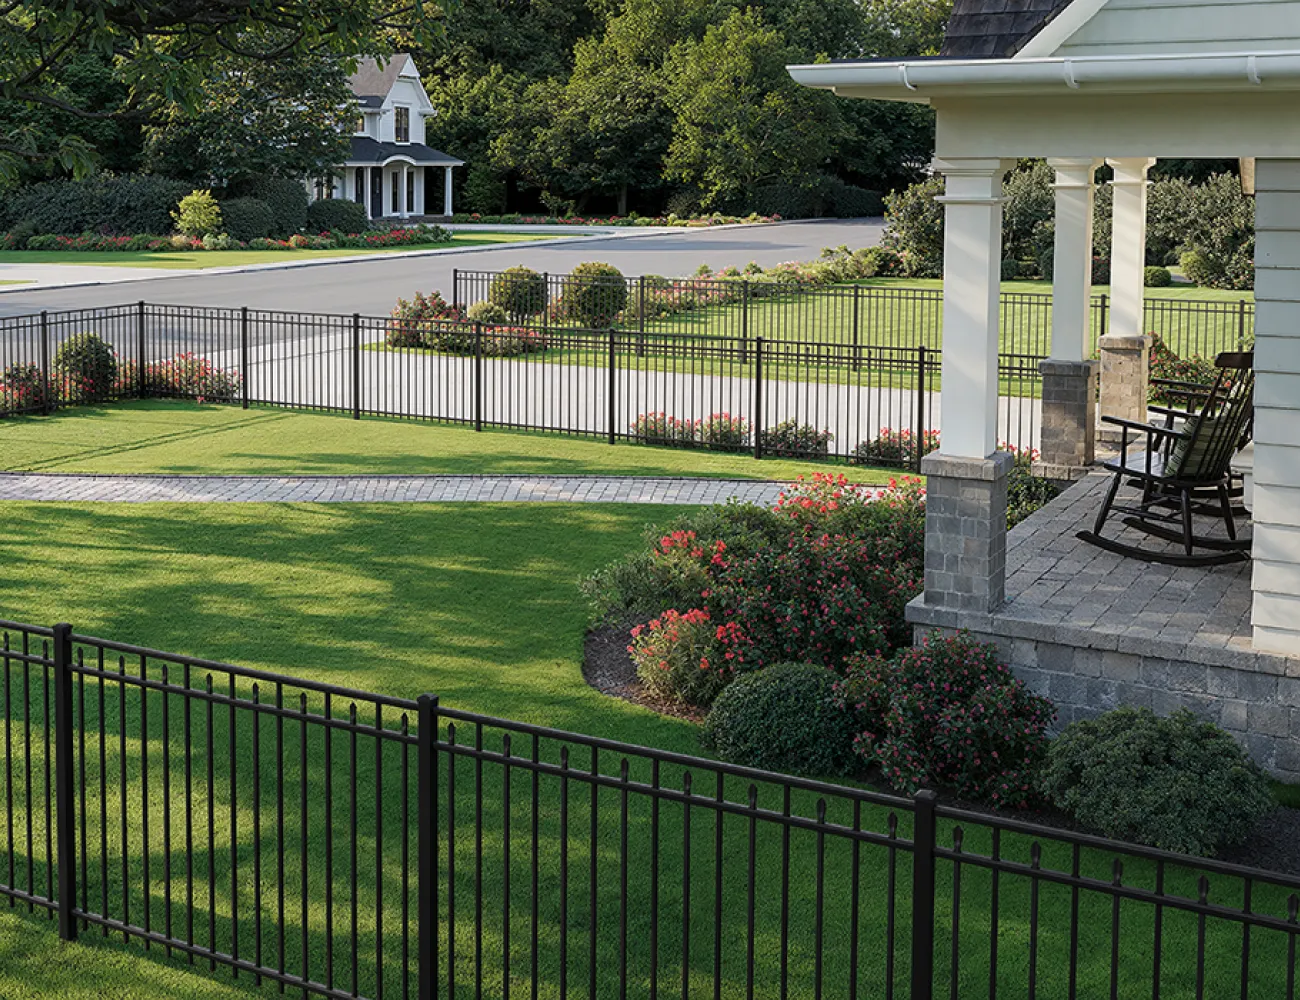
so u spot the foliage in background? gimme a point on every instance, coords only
(100, 204)
(783, 718)
(948, 714)
(1164, 363)
(1177, 782)
(198, 214)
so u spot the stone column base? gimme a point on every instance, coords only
(1125, 371)
(1069, 419)
(966, 531)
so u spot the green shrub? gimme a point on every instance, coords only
(947, 714)
(594, 294)
(219, 241)
(1027, 493)
(848, 201)
(85, 368)
(198, 214)
(519, 291)
(782, 718)
(22, 389)
(1030, 202)
(677, 657)
(891, 447)
(1164, 363)
(722, 432)
(1177, 783)
(1010, 269)
(414, 322)
(336, 215)
(486, 312)
(17, 237)
(1157, 277)
(247, 218)
(288, 203)
(791, 439)
(914, 222)
(1220, 231)
(127, 205)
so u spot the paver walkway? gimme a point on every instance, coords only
(379, 489)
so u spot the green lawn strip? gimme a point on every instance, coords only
(477, 604)
(201, 260)
(15, 281)
(165, 436)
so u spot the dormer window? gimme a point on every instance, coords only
(402, 124)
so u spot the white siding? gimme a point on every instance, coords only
(1276, 581)
(1125, 27)
(407, 93)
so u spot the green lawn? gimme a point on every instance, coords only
(477, 604)
(238, 258)
(181, 437)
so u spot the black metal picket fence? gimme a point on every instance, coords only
(348, 844)
(769, 397)
(851, 315)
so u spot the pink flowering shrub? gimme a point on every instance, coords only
(184, 376)
(661, 429)
(22, 389)
(679, 656)
(947, 714)
(891, 447)
(722, 431)
(413, 322)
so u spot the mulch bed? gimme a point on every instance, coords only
(1274, 845)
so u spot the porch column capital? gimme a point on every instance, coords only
(1072, 171)
(1130, 169)
(971, 181)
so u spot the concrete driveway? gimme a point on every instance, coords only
(372, 286)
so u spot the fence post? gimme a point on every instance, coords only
(857, 337)
(426, 868)
(923, 841)
(243, 356)
(758, 397)
(64, 793)
(478, 376)
(356, 366)
(455, 288)
(920, 405)
(45, 361)
(139, 353)
(613, 381)
(1241, 324)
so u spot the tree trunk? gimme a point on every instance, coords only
(622, 199)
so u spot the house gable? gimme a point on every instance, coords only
(995, 29)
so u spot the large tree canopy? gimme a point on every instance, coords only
(165, 49)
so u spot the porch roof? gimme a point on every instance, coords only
(370, 152)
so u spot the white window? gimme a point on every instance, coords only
(402, 124)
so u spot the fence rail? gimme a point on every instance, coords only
(349, 844)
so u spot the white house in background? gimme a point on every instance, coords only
(391, 171)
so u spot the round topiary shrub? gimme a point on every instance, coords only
(336, 214)
(594, 294)
(1178, 782)
(288, 202)
(486, 312)
(247, 218)
(782, 718)
(1010, 269)
(85, 368)
(1157, 277)
(519, 291)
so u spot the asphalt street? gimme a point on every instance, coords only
(372, 286)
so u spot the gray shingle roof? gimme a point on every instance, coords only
(995, 29)
(368, 150)
(372, 80)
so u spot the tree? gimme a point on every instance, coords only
(741, 120)
(168, 48)
(290, 118)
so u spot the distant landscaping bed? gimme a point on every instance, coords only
(672, 219)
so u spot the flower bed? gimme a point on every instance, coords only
(97, 243)
(429, 322)
(612, 220)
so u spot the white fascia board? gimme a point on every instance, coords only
(922, 80)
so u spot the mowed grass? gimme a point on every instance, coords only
(202, 260)
(478, 604)
(165, 436)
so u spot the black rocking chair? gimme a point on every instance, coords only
(1184, 470)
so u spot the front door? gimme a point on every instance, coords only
(376, 192)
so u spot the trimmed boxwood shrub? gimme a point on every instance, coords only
(486, 312)
(1177, 782)
(594, 294)
(947, 714)
(288, 203)
(134, 203)
(1154, 276)
(782, 718)
(336, 214)
(247, 218)
(520, 291)
(791, 439)
(85, 368)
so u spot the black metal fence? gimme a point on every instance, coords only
(614, 385)
(348, 844)
(851, 315)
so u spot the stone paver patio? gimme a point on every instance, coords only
(371, 489)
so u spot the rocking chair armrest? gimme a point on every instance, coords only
(1141, 428)
(1171, 411)
(1199, 388)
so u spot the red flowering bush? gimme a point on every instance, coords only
(722, 430)
(659, 428)
(22, 389)
(679, 656)
(413, 323)
(947, 714)
(791, 439)
(891, 447)
(185, 376)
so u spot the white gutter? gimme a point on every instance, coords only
(925, 78)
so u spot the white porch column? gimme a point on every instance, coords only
(446, 192)
(1069, 415)
(1125, 347)
(1275, 613)
(966, 488)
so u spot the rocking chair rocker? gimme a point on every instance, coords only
(1184, 470)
